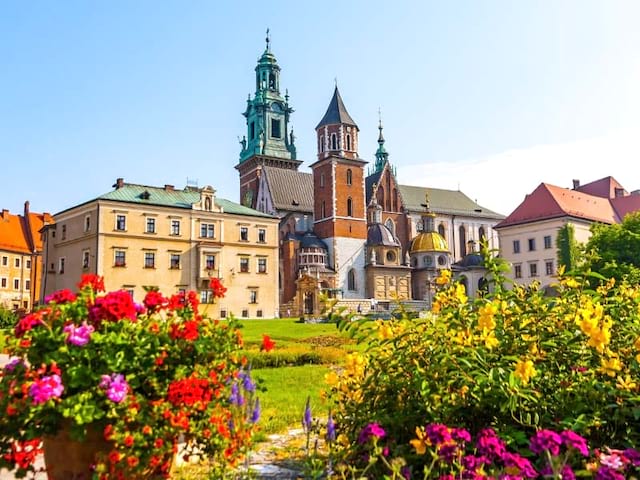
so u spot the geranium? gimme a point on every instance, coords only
(267, 343)
(143, 377)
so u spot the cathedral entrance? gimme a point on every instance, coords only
(308, 303)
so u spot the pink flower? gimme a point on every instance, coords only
(575, 441)
(60, 297)
(115, 386)
(545, 440)
(78, 335)
(45, 388)
(373, 430)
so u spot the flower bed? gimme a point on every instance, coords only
(145, 376)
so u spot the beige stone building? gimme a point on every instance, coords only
(528, 235)
(139, 236)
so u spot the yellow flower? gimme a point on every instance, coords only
(461, 293)
(420, 443)
(354, 364)
(331, 378)
(385, 331)
(571, 283)
(625, 383)
(444, 278)
(487, 312)
(524, 370)
(489, 339)
(610, 366)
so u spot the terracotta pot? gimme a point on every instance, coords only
(68, 459)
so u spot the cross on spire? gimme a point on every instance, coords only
(268, 40)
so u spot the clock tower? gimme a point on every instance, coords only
(268, 140)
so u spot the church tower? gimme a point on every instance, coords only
(268, 140)
(339, 197)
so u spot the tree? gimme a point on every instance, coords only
(614, 250)
(568, 248)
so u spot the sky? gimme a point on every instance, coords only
(490, 97)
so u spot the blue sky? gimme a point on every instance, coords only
(492, 97)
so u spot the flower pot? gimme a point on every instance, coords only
(68, 459)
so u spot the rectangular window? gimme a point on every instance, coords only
(149, 260)
(517, 271)
(244, 264)
(121, 222)
(5, 261)
(223, 314)
(262, 235)
(245, 313)
(85, 259)
(516, 246)
(120, 258)
(28, 264)
(16, 284)
(87, 223)
(252, 131)
(16, 262)
(253, 296)
(151, 225)
(61, 265)
(174, 261)
(533, 269)
(206, 296)
(275, 128)
(3, 282)
(262, 265)
(244, 234)
(175, 227)
(27, 284)
(532, 244)
(207, 230)
(210, 262)
(548, 267)
(547, 241)
(259, 313)
(64, 232)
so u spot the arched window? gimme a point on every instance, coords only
(207, 204)
(391, 226)
(465, 283)
(348, 142)
(349, 207)
(323, 212)
(322, 180)
(481, 235)
(463, 240)
(351, 280)
(334, 142)
(441, 231)
(321, 146)
(349, 177)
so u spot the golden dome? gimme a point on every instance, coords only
(429, 242)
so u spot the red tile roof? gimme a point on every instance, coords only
(605, 187)
(19, 233)
(549, 201)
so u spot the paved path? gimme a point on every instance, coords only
(268, 461)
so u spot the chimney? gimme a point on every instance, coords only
(169, 188)
(119, 183)
(5, 212)
(576, 184)
(26, 208)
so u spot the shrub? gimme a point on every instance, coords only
(515, 361)
(8, 318)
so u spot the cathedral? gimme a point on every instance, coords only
(349, 231)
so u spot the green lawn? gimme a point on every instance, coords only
(284, 330)
(287, 391)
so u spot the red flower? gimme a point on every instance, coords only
(154, 301)
(27, 322)
(158, 443)
(112, 307)
(114, 456)
(132, 461)
(267, 343)
(128, 441)
(107, 432)
(218, 289)
(96, 282)
(146, 430)
(187, 330)
(60, 297)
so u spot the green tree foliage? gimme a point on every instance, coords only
(614, 250)
(8, 318)
(568, 248)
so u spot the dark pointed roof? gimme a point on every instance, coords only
(336, 113)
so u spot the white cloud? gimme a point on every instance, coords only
(501, 181)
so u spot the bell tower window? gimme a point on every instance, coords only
(321, 143)
(349, 207)
(334, 141)
(349, 177)
(275, 128)
(272, 81)
(252, 131)
(348, 142)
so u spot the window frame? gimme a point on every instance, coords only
(120, 222)
(175, 261)
(516, 246)
(150, 225)
(244, 234)
(175, 227)
(150, 260)
(244, 264)
(116, 254)
(261, 265)
(547, 242)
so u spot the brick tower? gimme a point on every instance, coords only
(339, 197)
(268, 140)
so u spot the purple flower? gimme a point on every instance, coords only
(331, 429)
(524, 466)
(567, 473)
(489, 444)
(13, 364)
(448, 452)
(575, 441)
(373, 430)
(460, 434)
(255, 414)
(608, 473)
(306, 417)
(247, 383)
(545, 440)
(45, 388)
(236, 398)
(78, 335)
(633, 456)
(115, 386)
(471, 462)
(438, 433)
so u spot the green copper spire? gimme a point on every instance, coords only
(382, 156)
(268, 113)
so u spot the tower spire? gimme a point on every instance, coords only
(268, 39)
(382, 156)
